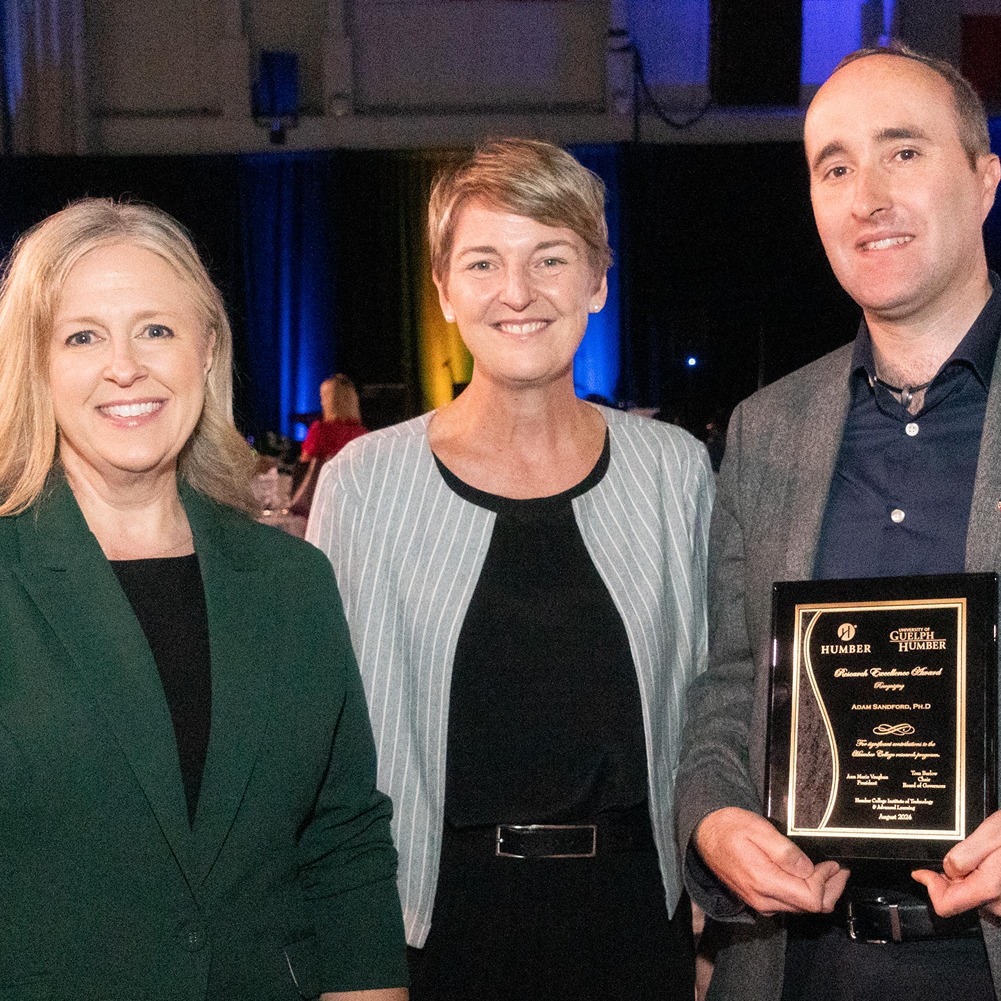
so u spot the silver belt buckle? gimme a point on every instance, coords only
(895, 927)
(593, 828)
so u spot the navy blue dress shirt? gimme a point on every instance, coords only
(899, 502)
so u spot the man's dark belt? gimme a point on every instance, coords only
(883, 917)
(567, 841)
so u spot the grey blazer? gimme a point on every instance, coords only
(407, 552)
(782, 445)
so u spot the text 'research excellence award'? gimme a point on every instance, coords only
(882, 729)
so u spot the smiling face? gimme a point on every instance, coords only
(520, 292)
(128, 357)
(897, 205)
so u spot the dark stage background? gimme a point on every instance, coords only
(318, 257)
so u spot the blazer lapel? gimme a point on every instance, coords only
(74, 587)
(983, 539)
(815, 455)
(241, 640)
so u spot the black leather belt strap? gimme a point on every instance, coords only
(884, 917)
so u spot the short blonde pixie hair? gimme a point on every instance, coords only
(215, 460)
(526, 177)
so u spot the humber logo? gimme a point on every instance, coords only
(846, 633)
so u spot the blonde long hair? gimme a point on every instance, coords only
(215, 460)
(339, 399)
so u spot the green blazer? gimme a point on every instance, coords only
(285, 885)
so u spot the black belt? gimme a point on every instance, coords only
(540, 841)
(882, 917)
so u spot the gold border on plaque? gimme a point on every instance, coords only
(801, 644)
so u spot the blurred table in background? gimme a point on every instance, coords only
(273, 490)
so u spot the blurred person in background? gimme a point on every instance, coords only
(340, 424)
(341, 421)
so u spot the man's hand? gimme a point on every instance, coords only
(972, 873)
(764, 868)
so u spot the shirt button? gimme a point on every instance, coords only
(896, 515)
(911, 429)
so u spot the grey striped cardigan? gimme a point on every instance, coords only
(407, 552)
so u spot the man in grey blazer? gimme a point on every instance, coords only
(882, 458)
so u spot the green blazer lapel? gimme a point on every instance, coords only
(241, 637)
(983, 538)
(74, 587)
(814, 458)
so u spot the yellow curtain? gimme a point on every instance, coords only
(441, 358)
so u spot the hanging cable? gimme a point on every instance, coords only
(643, 98)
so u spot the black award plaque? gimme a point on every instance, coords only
(882, 727)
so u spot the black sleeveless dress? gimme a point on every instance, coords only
(545, 726)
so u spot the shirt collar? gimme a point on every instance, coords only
(976, 350)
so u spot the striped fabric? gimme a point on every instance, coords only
(407, 553)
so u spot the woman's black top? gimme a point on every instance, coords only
(545, 723)
(169, 601)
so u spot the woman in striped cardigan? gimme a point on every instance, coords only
(523, 575)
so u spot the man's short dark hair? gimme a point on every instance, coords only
(971, 119)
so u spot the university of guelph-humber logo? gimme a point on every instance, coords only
(846, 633)
(917, 638)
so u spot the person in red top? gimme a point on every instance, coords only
(341, 423)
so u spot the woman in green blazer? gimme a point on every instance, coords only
(187, 799)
